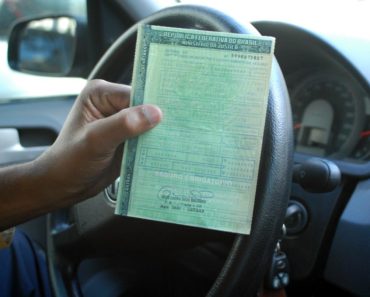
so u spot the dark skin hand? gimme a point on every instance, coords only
(84, 159)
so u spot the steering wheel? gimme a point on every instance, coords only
(91, 228)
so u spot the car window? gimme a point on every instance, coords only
(15, 85)
(11, 10)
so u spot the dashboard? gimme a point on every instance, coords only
(330, 101)
(328, 82)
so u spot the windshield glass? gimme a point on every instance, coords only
(16, 85)
(291, 10)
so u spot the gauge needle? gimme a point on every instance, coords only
(297, 126)
(364, 134)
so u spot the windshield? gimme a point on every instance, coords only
(16, 85)
(301, 11)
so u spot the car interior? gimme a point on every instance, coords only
(312, 214)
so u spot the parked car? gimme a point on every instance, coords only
(323, 49)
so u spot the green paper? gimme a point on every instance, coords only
(199, 166)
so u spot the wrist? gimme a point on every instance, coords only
(55, 179)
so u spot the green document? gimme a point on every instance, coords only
(199, 166)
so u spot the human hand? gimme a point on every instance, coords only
(86, 156)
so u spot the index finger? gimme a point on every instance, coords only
(108, 98)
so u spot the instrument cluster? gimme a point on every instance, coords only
(331, 116)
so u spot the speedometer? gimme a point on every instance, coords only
(328, 117)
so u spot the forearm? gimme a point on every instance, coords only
(84, 159)
(24, 194)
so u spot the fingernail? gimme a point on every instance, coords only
(152, 113)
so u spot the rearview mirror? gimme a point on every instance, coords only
(46, 46)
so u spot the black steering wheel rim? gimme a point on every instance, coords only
(246, 263)
(249, 254)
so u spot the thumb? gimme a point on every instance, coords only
(127, 123)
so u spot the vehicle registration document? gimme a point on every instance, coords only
(199, 166)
